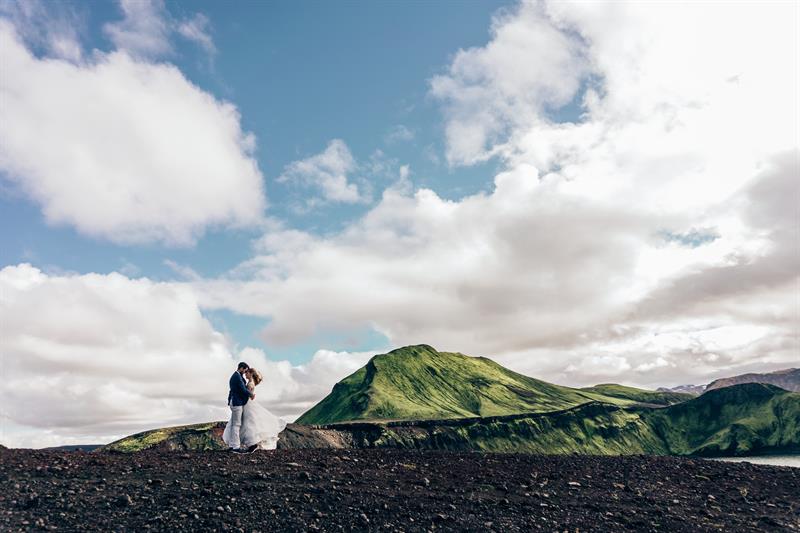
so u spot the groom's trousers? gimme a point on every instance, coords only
(236, 425)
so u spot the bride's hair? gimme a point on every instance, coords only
(256, 375)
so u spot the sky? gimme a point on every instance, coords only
(584, 192)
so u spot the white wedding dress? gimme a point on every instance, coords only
(259, 426)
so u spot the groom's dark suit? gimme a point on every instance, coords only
(238, 394)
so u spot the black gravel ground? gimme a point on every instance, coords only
(389, 490)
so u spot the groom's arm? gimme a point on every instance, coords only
(242, 388)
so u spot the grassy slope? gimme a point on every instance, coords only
(740, 419)
(192, 437)
(639, 395)
(593, 428)
(743, 419)
(417, 382)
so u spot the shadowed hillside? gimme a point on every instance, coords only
(736, 420)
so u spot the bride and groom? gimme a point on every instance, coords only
(251, 426)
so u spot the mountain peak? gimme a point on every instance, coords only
(419, 382)
(414, 350)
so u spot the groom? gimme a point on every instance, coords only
(237, 398)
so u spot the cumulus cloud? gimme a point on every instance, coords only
(328, 172)
(576, 267)
(533, 63)
(123, 149)
(89, 358)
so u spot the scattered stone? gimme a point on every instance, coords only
(328, 490)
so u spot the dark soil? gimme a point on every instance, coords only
(390, 490)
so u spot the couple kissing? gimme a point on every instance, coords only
(251, 426)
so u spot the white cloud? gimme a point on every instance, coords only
(532, 63)
(52, 26)
(122, 149)
(475, 274)
(144, 29)
(197, 29)
(129, 355)
(327, 171)
(563, 271)
(397, 134)
(147, 27)
(290, 390)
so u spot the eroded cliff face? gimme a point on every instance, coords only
(592, 428)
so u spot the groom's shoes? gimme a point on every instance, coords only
(249, 449)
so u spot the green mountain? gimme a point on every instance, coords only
(418, 382)
(735, 420)
(741, 420)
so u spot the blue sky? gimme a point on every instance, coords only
(300, 74)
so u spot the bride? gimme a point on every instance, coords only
(260, 428)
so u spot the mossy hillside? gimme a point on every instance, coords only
(192, 437)
(634, 395)
(591, 429)
(737, 420)
(418, 382)
(740, 420)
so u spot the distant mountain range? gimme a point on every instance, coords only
(417, 397)
(76, 447)
(788, 379)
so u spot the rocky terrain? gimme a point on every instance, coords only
(389, 490)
